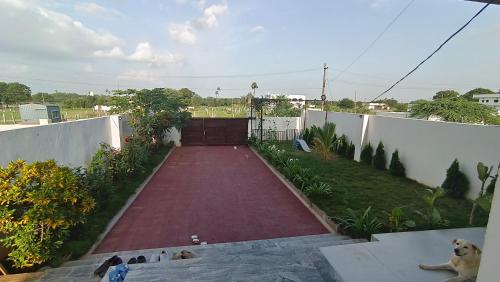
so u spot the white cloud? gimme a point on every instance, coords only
(143, 54)
(200, 4)
(139, 75)
(257, 28)
(210, 15)
(96, 9)
(114, 53)
(9, 69)
(186, 33)
(182, 33)
(36, 30)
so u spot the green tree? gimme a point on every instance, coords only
(345, 103)
(367, 154)
(11, 93)
(396, 167)
(470, 95)
(455, 110)
(254, 86)
(283, 108)
(379, 160)
(446, 94)
(152, 112)
(456, 183)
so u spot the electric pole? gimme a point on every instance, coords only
(323, 92)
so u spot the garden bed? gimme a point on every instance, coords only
(358, 186)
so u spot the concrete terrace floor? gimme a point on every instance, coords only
(220, 193)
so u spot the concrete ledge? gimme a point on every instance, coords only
(329, 224)
(130, 200)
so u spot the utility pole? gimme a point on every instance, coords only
(355, 101)
(323, 92)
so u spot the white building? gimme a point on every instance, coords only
(298, 101)
(492, 100)
(377, 106)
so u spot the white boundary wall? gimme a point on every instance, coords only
(426, 148)
(70, 143)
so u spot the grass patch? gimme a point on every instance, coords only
(85, 235)
(359, 185)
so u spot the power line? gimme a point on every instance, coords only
(435, 51)
(375, 40)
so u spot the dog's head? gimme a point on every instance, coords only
(464, 248)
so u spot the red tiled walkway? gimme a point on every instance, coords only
(221, 194)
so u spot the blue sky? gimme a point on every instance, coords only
(92, 46)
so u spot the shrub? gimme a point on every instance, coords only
(132, 157)
(360, 224)
(367, 154)
(340, 145)
(397, 221)
(456, 183)
(379, 161)
(318, 188)
(431, 215)
(323, 139)
(100, 173)
(40, 202)
(351, 149)
(396, 167)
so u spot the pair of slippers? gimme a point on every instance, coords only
(139, 259)
(103, 268)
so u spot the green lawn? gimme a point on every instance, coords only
(219, 112)
(12, 115)
(358, 185)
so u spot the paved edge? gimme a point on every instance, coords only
(323, 218)
(130, 200)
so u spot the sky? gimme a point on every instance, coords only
(79, 46)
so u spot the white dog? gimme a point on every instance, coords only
(465, 261)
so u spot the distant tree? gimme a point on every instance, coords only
(283, 108)
(11, 93)
(455, 110)
(254, 86)
(396, 167)
(345, 103)
(400, 107)
(446, 94)
(469, 95)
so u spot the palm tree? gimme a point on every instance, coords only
(254, 86)
(323, 139)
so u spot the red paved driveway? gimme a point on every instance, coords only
(221, 194)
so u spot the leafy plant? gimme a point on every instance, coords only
(360, 224)
(367, 154)
(397, 220)
(132, 157)
(483, 173)
(323, 139)
(379, 161)
(431, 214)
(351, 149)
(318, 188)
(491, 187)
(39, 203)
(456, 183)
(340, 145)
(396, 167)
(100, 173)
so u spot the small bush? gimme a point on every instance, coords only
(456, 183)
(379, 161)
(360, 224)
(132, 157)
(350, 151)
(396, 167)
(340, 145)
(367, 154)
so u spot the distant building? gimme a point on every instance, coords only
(377, 106)
(102, 108)
(492, 100)
(298, 101)
(40, 113)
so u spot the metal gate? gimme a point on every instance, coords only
(215, 131)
